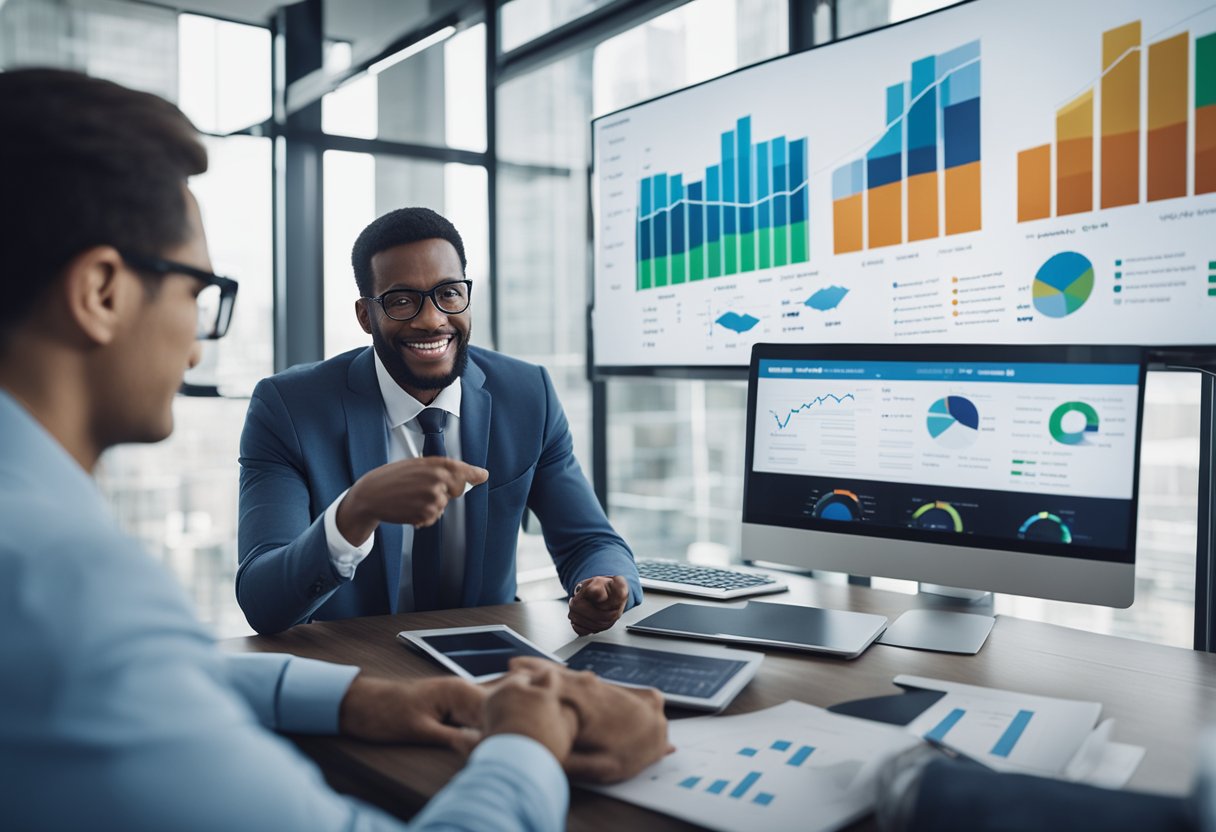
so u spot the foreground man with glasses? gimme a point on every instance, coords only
(117, 711)
(394, 478)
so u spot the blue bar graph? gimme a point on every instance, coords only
(781, 745)
(718, 786)
(745, 784)
(689, 782)
(748, 752)
(1012, 734)
(942, 728)
(763, 798)
(750, 211)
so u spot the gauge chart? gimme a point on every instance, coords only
(1045, 527)
(938, 516)
(840, 505)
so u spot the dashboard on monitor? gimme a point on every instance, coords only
(1000, 468)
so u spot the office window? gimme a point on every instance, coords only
(224, 72)
(179, 497)
(133, 44)
(436, 97)
(856, 16)
(358, 188)
(525, 20)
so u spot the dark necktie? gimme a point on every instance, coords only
(428, 542)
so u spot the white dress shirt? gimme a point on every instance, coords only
(405, 440)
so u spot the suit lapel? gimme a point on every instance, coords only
(474, 447)
(367, 445)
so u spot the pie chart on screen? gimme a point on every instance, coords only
(954, 422)
(1063, 284)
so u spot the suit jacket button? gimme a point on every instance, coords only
(316, 588)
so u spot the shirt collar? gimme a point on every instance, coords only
(400, 407)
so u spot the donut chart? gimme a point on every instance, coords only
(1081, 429)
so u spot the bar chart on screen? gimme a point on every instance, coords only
(970, 177)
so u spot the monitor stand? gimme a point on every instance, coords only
(950, 620)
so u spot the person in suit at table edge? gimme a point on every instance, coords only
(394, 477)
(117, 709)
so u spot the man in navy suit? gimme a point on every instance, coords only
(394, 478)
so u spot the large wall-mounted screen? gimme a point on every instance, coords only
(1005, 171)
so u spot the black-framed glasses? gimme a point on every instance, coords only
(215, 301)
(450, 297)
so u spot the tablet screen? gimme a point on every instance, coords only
(483, 653)
(677, 674)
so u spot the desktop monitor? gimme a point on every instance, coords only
(997, 468)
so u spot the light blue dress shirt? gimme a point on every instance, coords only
(117, 710)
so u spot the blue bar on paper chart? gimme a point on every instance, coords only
(800, 755)
(745, 784)
(1012, 734)
(763, 798)
(942, 728)
(781, 745)
(743, 137)
(718, 786)
(689, 782)
(677, 214)
(748, 752)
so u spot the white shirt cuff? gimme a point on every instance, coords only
(342, 554)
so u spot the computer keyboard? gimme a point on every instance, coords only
(704, 581)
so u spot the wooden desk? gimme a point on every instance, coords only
(1158, 695)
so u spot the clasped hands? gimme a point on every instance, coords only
(599, 732)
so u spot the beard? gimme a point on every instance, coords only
(404, 376)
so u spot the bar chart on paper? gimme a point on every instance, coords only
(1005, 730)
(790, 767)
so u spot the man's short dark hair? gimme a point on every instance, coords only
(83, 163)
(397, 228)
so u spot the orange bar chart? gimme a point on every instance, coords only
(1075, 155)
(1121, 90)
(886, 215)
(1167, 117)
(1034, 183)
(1120, 180)
(847, 224)
(922, 206)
